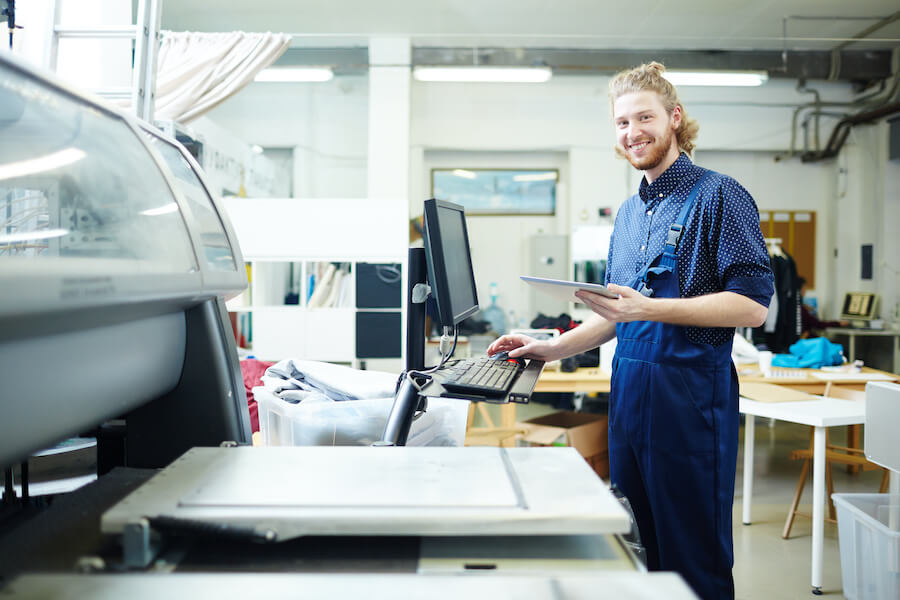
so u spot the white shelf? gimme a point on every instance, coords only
(284, 238)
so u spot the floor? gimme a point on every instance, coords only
(768, 567)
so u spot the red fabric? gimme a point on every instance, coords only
(252, 370)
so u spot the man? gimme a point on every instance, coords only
(810, 324)
(688, 261)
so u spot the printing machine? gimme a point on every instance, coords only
(115, 261)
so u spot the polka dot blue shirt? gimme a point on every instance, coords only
(721, 249)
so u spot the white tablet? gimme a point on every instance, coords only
(565, 290)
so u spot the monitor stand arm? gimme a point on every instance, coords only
(416, 294)
(396, 430)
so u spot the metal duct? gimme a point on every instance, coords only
(842, 130)
(860, 67)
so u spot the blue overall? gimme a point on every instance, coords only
(673, 423)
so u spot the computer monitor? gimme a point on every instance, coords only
(446, 264)
(449, 262)
(859, 306)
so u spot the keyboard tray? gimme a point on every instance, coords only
(520, 392)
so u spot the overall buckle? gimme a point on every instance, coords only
(644, 289)
(675, 232)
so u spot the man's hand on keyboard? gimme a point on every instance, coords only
(522, 346)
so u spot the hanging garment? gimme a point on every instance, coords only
(785, 304)
(673, 422)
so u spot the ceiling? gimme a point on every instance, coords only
(577, 36)
(658, 24)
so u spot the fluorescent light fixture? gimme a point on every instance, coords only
(720, 78)
(160, 210)
(465, 174)
(30, 236)
(294, 75)
(475, 74)
(535, 177)
(41, 164)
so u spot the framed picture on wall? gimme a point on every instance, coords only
(498, 191)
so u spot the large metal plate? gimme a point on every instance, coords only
(296, 491)
(611, 585)
(322, 477)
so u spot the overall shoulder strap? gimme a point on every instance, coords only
(669, 258)
(676, 229)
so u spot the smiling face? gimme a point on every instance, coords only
(645, 132)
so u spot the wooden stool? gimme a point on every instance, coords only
(843, 455)
(492, 435)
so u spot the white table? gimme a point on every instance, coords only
(822, 413)
(851, 333)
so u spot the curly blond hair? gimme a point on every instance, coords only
(648, 77)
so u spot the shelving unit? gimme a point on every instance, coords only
(286, 241)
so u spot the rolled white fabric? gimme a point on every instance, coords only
(198, 71)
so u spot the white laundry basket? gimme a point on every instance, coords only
(870, 548)
(354, 422)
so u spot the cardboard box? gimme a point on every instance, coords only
(585, 432)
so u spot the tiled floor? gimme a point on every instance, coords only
(768, 567)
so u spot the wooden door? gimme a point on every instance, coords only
(797, 231)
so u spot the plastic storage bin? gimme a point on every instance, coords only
(354, 423)
(870, 548)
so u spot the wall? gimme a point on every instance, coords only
(889, 267)
(857, 200)
(232, 167)
(742, 130)
(326, 123)
(786, 184)
(867, 211)
(499, 244)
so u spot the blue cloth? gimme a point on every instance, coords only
(722, 248)
(812, 353)
(673, 439)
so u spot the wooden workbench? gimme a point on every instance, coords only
(594, 380)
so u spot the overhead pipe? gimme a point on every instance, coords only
(815, 106)
(842, 130)
(816, 114)
(801, 87)
(833, 74)
(876, 98)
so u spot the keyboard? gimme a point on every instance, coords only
(480, 376)
(779, 373)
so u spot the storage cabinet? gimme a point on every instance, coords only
(336, 297)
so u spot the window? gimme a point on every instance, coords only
(498, 191)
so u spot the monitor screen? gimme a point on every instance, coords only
(859, 305)
(449, 261)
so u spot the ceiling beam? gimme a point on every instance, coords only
(862, 68)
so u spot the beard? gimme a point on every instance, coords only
(658, 151)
